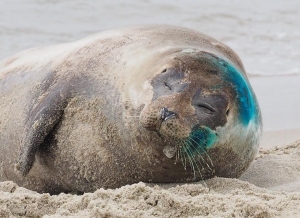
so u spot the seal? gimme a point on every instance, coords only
(149, 103)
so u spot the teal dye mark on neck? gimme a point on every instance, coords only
(200, 139)
(247, 104)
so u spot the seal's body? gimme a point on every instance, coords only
(152, 104)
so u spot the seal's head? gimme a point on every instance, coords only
(204, 109)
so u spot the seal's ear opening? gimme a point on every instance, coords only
(227, 112)
(41, 121)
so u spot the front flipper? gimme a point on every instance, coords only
(40, 122)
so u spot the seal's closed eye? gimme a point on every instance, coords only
(206, 107)
(210, 109)
(168, 82)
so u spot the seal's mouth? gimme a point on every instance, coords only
(200, 139)
(168, 150)
(193, 147)
(193, 151)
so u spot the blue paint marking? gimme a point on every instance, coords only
(247, 105)
(201, 138)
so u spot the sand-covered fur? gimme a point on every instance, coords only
(150, 103)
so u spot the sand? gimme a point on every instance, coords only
(269, 188)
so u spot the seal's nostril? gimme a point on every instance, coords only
(162, 112)
(166, 114)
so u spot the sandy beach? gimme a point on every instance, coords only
(265, 34)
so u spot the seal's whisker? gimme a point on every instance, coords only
(183, 160)
(177, 151)
(192, 148)
(193, 162)
(202, 141)
(199, 171)
(198, 161)
(204, 151)
(199, 154)
(190, 160)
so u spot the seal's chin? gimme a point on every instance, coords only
(198, 141)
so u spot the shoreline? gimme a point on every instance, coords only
(279, 104)
(279, 138)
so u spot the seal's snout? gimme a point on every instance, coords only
(166, 114)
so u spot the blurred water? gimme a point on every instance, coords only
(265, 34)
